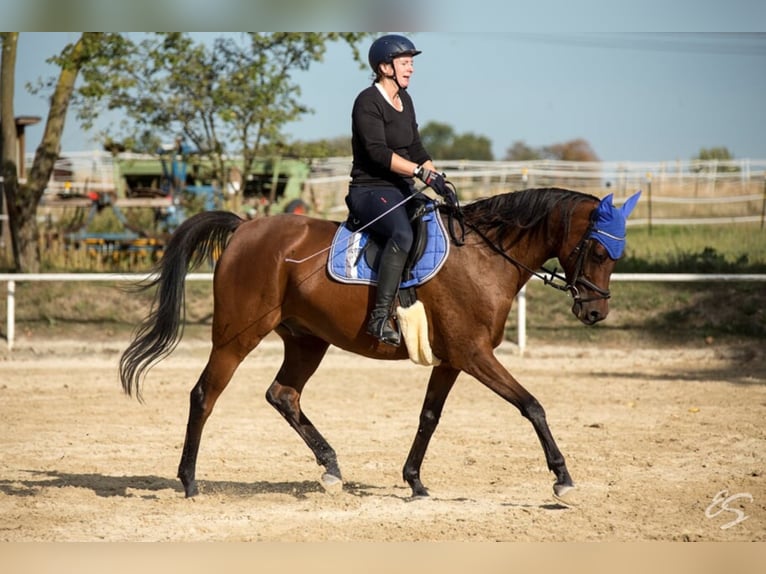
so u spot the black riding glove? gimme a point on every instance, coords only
(433, 179)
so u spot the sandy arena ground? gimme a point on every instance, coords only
(664, 444)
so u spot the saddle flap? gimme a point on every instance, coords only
(375, 244)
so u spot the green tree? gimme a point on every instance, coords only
(23, 199)
(714, 153)
(520, 151)
(336, 147)
(167, 85)
(712, 156)
(437, 139)
(443, 143)
(471, 146)
(572, 150)
(229, 99)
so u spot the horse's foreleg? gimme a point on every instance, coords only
(439, 385)
(492, 374)
(534, 412)
(211, 383)
(302, 357)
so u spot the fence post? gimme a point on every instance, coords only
(11, 310)
(649, 199)
(763, 204)
(521, 318)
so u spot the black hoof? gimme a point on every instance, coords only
(419, 491)
(191, 489)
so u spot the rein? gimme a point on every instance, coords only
(554, 275)
(454, 214)
(453, 211)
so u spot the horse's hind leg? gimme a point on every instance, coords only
(213, 380)
(439, 385)
(303, 353)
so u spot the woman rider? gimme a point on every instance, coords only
(387, 154)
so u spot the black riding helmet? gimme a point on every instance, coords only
(388, 47)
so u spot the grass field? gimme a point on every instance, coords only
(670, 312)
(651, 314)
(696, 249)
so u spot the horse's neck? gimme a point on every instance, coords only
(532, 252)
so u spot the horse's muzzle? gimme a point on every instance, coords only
(590, 312)
(591, 304)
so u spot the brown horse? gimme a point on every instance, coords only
(271, 276)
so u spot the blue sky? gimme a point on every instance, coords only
(633, 96)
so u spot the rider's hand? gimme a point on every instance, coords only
(432, 179)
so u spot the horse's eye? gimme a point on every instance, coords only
(598, 253)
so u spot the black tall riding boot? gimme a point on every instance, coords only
(392, 262)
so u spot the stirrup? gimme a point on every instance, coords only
(379, 327)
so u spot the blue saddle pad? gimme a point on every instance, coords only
(347, 263)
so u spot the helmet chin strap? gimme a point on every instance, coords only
(394, 78)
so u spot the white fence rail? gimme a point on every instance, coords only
(13, 278)
(675, 193)
(521, 300)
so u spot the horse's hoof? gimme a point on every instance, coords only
(419, 492)
(565, 494)
(191, 490)
(331, 483)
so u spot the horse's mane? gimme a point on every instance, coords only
(510, 215)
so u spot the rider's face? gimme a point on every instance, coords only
(403, 67)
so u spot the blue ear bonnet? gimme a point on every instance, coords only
(609, 224)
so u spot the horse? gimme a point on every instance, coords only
(270, 276)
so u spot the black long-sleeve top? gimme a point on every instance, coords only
(377, 131)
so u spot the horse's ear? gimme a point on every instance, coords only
(630, 203)
(608, 199)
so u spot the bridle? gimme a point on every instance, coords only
(579, 273)
(553, 277)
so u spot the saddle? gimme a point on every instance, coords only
(354, 255)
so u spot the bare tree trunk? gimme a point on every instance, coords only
(30, 195)
(8, 147)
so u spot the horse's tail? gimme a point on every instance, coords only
(198, 239)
